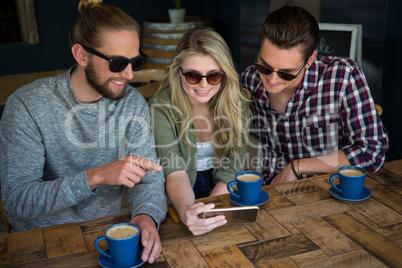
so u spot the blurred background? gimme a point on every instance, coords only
(238, 21)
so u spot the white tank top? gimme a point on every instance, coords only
(205, 156)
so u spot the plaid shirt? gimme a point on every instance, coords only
(331, 110)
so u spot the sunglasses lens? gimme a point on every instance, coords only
(118, 65)
(139, 63)
(263, 70)
(282, 75)
(286, 76)
(193, 77)
(214, 78)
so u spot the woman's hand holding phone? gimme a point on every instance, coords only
(197, 225)
(235, 215)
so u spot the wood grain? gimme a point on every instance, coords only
(225, 235)
(394, 166)
(355, 259)
(266, 227)
(291, 228)
(80, 260)
(90, 239)
(399, 191)
(302, 259)
(226, 257)
(169, 232)
(377, 212)
(303, 198)
(387, 179)
(64, 240)
(302, 186)
(328, 238)
(363, 219)
(309, 211)
(278, 248)
(392, 232)
(283, 262)
(302, 225)
(322, 182)
(174, 253)
(378, 246)
(24, 247)
(276, 200)
(91, 230)
(388, 197)
(225, 199)
(27, 239)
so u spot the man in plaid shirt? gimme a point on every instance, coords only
(311, 114)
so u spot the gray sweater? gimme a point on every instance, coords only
(48, 140)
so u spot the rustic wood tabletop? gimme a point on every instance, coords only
(302, 225)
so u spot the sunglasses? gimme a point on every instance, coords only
(285, 76)
(117, 65)
(194, 77)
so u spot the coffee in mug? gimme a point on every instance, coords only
(351, 181)
(122, 231)
(249, 177)
(124, 244)
(249, 185)
(351, 172)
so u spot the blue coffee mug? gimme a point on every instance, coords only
(249, 191)
(123, 251)
(351, 181)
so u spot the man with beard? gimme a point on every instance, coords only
(70, 144)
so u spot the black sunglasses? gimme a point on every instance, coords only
(285, 76)
(117, 65)
(194, 77)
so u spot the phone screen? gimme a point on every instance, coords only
(235, 215)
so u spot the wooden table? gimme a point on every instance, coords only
(301, 226)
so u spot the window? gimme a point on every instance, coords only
(18, 22)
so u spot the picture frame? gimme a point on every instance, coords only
(341, 40)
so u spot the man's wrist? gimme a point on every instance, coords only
(141, 217)
(300, 175)
(92, 179)
(296, 173)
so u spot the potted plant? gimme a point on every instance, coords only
(177, 13)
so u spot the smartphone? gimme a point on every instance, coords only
(235, 215)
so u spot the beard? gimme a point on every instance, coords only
(93, 80)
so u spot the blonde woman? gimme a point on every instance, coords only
(198, 118)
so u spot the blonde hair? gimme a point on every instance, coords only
(96, 18)
(226, 104)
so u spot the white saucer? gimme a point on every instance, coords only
(107, 263)
(264, 198)
(366, 194)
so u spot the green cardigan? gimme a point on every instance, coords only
(176, 154)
